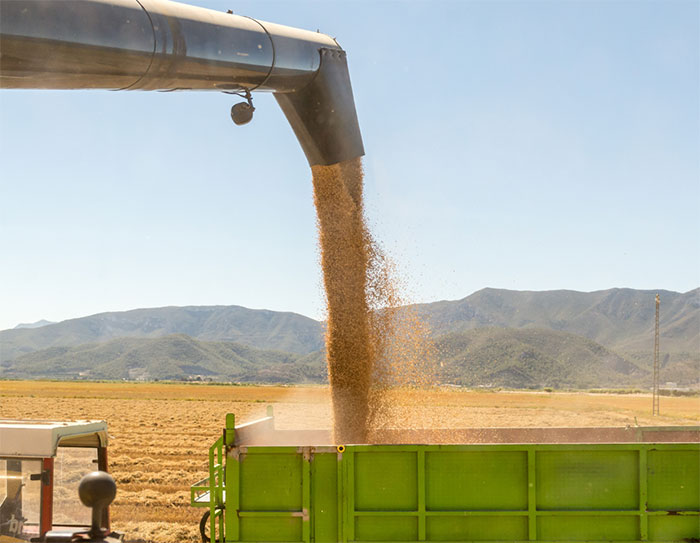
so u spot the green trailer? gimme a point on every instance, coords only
(509, 484)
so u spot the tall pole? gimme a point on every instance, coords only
(655, 390)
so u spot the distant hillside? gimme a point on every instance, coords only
(497, 337)
(620, 319)
(256, 328)
(172, 357)
(531, 358)
(517, 358)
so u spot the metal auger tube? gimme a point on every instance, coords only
(167, 46)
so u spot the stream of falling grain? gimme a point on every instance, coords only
(372, 342)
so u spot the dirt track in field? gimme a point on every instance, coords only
(160, 433)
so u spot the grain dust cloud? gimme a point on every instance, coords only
(373, 342)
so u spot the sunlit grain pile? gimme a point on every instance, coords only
(371, 343)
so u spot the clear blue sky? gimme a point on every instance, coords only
(521, 145)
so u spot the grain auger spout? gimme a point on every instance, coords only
(167, 46)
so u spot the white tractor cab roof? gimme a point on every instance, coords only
(40, 438)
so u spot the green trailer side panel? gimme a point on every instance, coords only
(477, 528)
(271, 482)
(674, 480)
(386, 481)
(463, 493)
(324, 494)
(674, 527)
(271, 529)
(386, 528)
(588, 480)
(593, 528)
(476, 480)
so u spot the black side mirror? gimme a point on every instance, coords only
(97, 490)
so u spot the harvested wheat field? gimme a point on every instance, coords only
(161, 432)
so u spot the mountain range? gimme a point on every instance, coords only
(257, 328)
(493, 337)
(620, 319)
